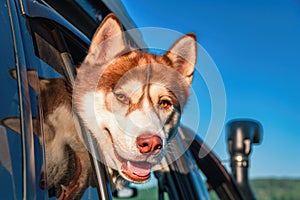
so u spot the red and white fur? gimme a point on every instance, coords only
(131, 100)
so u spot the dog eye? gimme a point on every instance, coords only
(122, 98)
(165, 104)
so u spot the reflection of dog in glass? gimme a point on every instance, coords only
(68, 167)
(130, 101)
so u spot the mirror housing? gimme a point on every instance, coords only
(240, 135)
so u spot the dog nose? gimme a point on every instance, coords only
(148, 143)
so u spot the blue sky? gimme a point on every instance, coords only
(255, 46)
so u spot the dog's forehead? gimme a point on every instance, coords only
(134, 65)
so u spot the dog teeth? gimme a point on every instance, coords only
(130, 167)
(128, 164)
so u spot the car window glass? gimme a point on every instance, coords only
(65, 163)
(85, 15)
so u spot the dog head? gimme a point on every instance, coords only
(131, 100)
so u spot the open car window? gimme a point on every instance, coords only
(54, 48)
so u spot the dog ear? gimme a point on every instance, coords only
(183, 55)
(108, 41)
(13, 123)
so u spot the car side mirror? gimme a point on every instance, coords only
(240, 135)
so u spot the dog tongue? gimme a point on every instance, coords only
(140, 169)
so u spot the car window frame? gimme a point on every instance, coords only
(27, 140)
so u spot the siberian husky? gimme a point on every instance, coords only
(131, 100)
